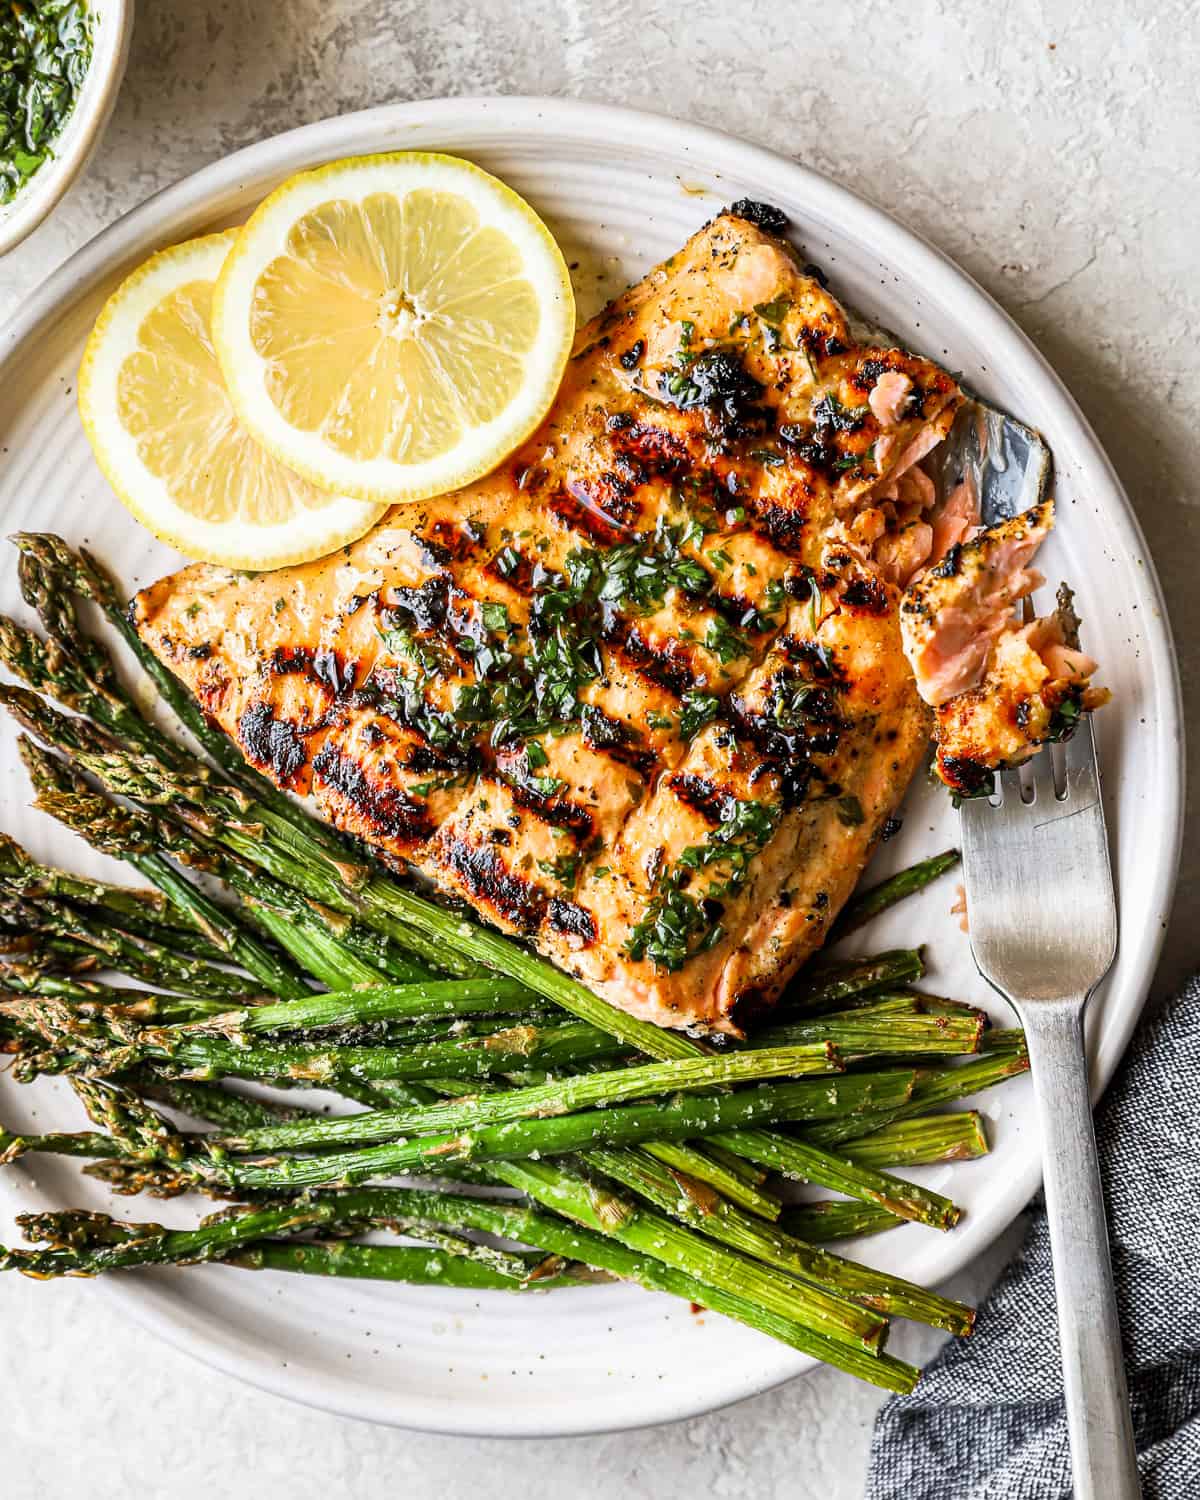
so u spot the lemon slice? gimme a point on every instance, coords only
(392, 326)
(160, 422)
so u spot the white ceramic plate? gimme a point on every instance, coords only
(621, 190)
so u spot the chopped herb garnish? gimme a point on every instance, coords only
(422, 789)
(637, 577)
(828, 411)
(773, 313)
(429, 656)
(718, 384)
(512, 682)
(495, 618)
(678, 920)
(789, 701)
(698, 710)
(564, 869)
(849, 811)
(1065, 718)
(744, 829)
(724, 643)
(693, 533)
(814, 603)
(671, 930)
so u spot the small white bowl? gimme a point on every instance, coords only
(113, 24)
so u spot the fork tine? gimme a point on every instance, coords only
(1043, 776)
(1083, 770)
(1080, 749)
(1010, 787)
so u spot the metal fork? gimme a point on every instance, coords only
(1043, 925)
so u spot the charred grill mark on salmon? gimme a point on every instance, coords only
(487, 880)
(968, 777)
(271, 744)
(421, 757)
(818, 662)
(513, 568)
(741, 613)
(387, 810)
(337, 675)
(289, 661)
(573, 508)
(424, 607)
(558, 811)
(572, 920)
(610, 737)
(658, 454)
(322, 666)
(609, 501)
(866, 593)
(669, 666)
(764, 216)
(700, 795)
(444, 542)
(784, 526)
(786, 752)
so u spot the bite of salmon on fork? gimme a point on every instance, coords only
(640, 695)
(1001, 687)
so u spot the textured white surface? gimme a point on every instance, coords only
(1063, 179)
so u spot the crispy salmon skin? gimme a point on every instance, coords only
(639, 695)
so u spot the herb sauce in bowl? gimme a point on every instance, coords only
(45, 51)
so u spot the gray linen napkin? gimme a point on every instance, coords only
(986, 1421)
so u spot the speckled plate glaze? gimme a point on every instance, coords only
(621, 190)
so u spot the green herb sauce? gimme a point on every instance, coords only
(45, 51)
(527, 680)
(682, 916)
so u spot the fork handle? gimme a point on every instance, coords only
(1103, 1455)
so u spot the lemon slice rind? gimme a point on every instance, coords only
(309, 531)
(265, 239)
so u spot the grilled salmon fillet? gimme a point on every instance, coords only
(638, 696)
